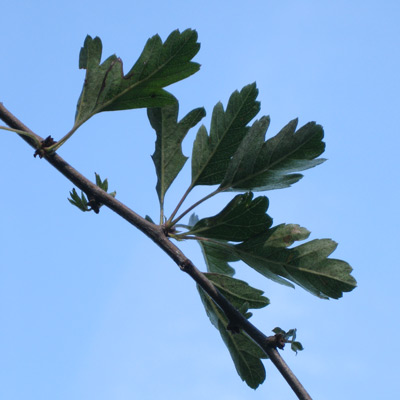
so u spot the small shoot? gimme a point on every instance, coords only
(85, 204)
(289, 337)
(80, 202)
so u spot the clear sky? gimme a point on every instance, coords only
(90, 308)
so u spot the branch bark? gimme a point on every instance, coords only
(157, 234)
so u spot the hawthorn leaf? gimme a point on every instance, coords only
(285, 235)
(168, 157)
(245, 354)
(217, 256)
(238, 292)
(260, 165)
(306, 265)
(241, 219)
(106, 88)
(216, 253)
(212, 153)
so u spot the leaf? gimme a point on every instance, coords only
(168, 157)
(245, 354)
(241, 219)
(307, 265)
(290, 337)
(211, 154)
(285, 235)
(106, 88)
(279, 331)
(80, 202)
(238, 292)
(101, 184)
(259, 165)
(148, 218)
(216, 255)
(296, 346)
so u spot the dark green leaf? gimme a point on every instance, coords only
(241, 219)
(245, 354)
(149, 219)
(217, 257)
(211, 154)
(279, 331)
(238, 292)
(168, 158)
(106, 88)
(259, 165)
(307, 265)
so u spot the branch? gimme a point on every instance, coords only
(158, 235)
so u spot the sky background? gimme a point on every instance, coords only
(92, 309)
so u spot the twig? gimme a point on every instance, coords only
(157, 234)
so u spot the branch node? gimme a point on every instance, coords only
(41, 152)
(93, 203)
(185, 265)
(168, 230)
(276, 341)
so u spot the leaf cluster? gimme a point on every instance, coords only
(85, 204)
(289, 337)
(232, 155)
(236, 156)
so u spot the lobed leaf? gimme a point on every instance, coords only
(307, 265)
(211, 154)
(216, 255)
(238, 292)
(106, 88)
(258, 165)
(245, 354)
(168, 157)
(241, 219)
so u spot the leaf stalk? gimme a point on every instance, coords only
(193, 206)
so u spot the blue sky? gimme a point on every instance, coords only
(91, 309)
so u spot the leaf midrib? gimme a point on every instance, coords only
(98, 109)
(270, 166)
(238, 351)
(291, 267)
(223, 137)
